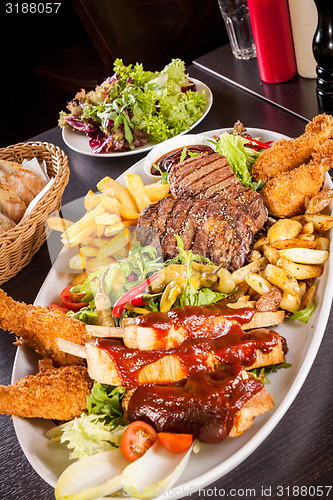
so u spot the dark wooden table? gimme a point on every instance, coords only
(296, 96)
(298, 451)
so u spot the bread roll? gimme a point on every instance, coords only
(11, 204)
(14, 182)
(5, 223)
(30, 180)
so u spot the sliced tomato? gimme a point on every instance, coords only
(137, 439)
(58, 306)
(72, 301)
(176, 443)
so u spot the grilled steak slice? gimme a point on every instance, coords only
(210, 176)
(219, 229)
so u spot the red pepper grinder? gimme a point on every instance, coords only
(272, 34)
(323, 54)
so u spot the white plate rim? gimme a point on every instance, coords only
(315, 330)
(78, 141)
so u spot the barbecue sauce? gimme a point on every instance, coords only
(197, 320)
(195, 354)
(204, 405)
(166, 161)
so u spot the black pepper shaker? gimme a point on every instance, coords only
(323, 54)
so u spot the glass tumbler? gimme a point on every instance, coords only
(236, 17)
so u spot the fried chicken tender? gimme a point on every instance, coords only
(285, 195)
(39, 327)
(53, 393)
(287, 154)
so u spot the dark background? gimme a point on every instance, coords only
(46, 58)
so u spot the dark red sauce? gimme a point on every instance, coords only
(195, 354)
(172, 157)
(204, 405)
(210, 321)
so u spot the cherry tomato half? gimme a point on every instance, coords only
(137, 439)
(72, 301)
(176, 443)
(57, 306)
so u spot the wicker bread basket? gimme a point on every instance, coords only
(19, 244)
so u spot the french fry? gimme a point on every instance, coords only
(302, 271)
(308, 297)
(78, 237)
(87, 200)
(305, 255)
(157, 191)
(294, 242)
(95, 264)
(116, 244)
(114, 189)
(284, 229)
(87, 221)
(107, 219)
(119, 226)
(136, 187)
(89, 251)
(280, 278)
(58, 223)
(95, 242)
(77, 262)
(258, 283)
(80, 278)
(254, 267)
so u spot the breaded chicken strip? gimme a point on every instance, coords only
(39, 327)
(285, 155)
(53, 393)
(285, 195)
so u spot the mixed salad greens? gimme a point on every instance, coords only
(135, 106)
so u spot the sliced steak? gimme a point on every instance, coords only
(218, 229)
(211, 176)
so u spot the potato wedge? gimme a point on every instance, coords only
(258, 283)
(280, 278)
(308, 297)
(319, 202)
(271, 253)
(321, 222)
(254, 267)
(294, 242)
(322, 243)
(290, 302)
(305, 255)
(284, 229)
(302, 271)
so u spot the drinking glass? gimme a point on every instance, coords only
(237, 21)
